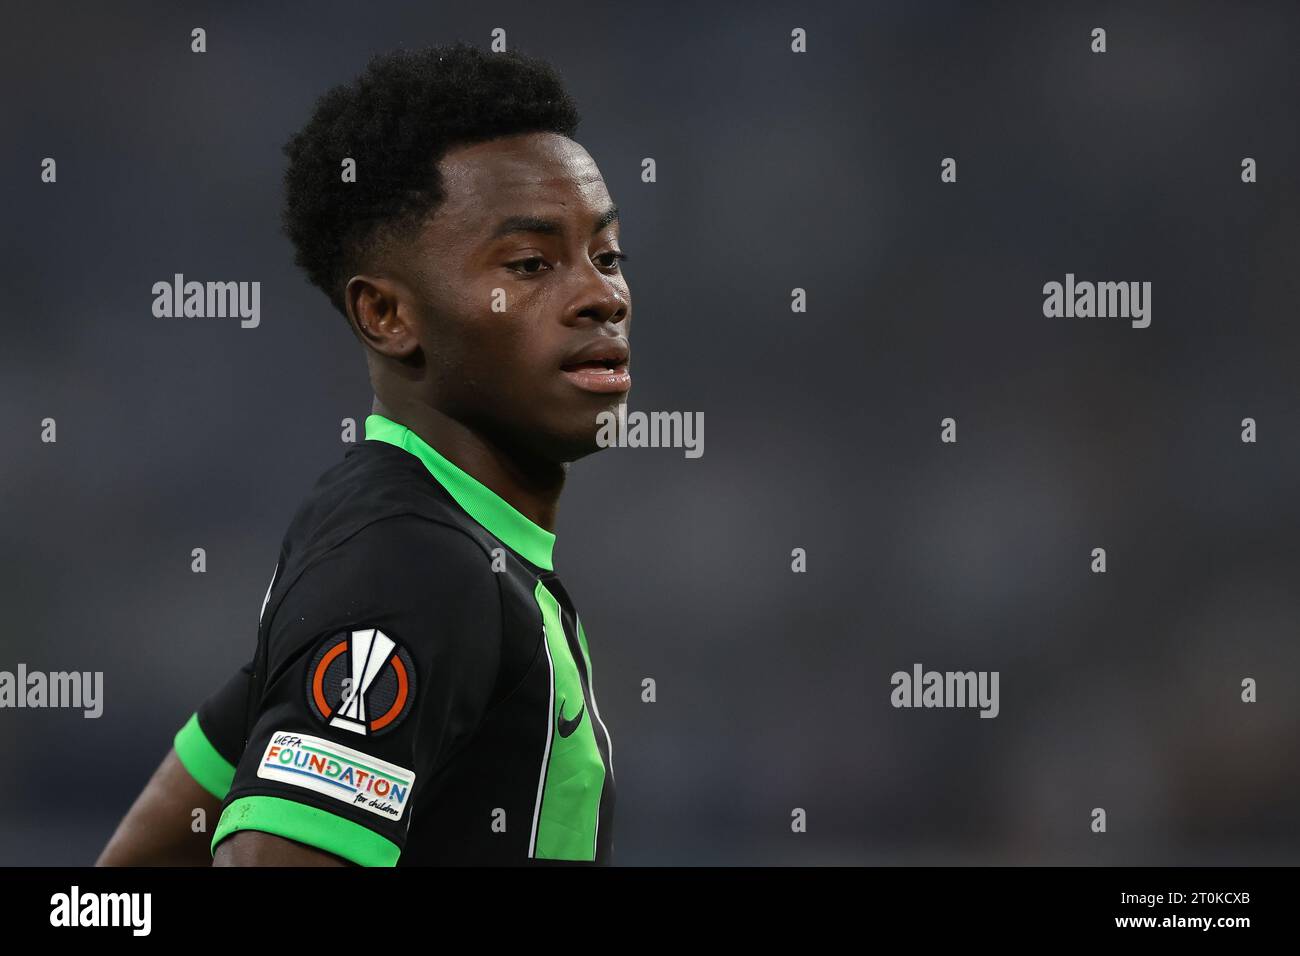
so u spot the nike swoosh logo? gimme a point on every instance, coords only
(567, 727)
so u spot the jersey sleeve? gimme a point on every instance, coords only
(212, 740)
(381, 659)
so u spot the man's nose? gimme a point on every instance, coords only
(600, 299)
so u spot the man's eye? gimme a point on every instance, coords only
(614, 259)
(519, 264)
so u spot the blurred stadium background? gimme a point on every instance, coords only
(775, 171)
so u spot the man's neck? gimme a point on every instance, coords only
(531, 486)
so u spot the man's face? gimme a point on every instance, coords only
(523, 308)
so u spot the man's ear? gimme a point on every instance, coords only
(381, 315)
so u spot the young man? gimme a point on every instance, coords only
(422, 687)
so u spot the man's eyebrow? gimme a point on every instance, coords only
(549, 227)
(608, 217)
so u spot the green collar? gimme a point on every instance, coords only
(482, 503)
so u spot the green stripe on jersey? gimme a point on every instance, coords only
(304, 824)
(211, 771)
(575, 772)
(479, 501)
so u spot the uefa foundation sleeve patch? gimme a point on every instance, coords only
(336, 771)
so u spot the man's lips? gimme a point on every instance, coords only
(599, 366)
(597, 377)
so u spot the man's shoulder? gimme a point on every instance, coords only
(377, 520)
(405, 564)
(376, 484)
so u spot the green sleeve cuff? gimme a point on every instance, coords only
(211, 771)
(304, 824)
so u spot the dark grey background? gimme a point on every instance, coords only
(776, 170)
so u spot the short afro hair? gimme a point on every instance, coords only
(397, 120)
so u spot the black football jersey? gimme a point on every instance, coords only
(421, 691)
